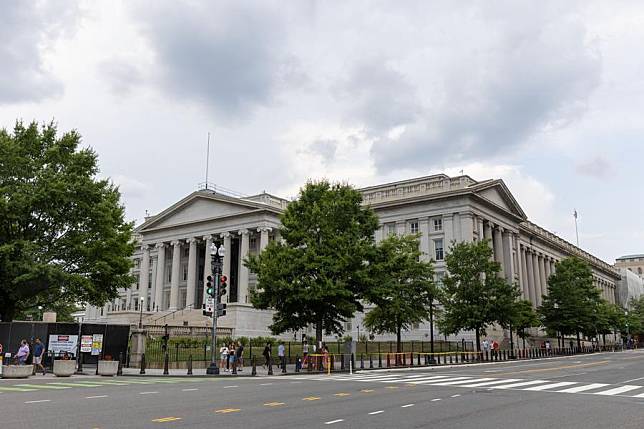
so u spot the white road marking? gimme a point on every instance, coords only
(437, 399)
(96, 397)
(635, 379)
(333, 421)
(229, 387)
(618, 390)
(550, 386)
(442, 381)
(523, 383)
(266, 384)
(376, 412)
(489, 383)
(583, 388)
(36, 402)
(454, 383)
(188, 390)
(455, 396)
(147, 393)
(296, 382)
(407, 406)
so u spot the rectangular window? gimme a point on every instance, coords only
(184, 270)
(439, 279)
(413, 227)
(252, 243)
(438, 224)
(186, 252)
(438, 249)
(138, 278)
(390, 228)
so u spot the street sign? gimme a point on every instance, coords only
(86, 344)
(210, 304)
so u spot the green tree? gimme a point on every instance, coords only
(524, 317)
(63, 238)
(318, 274)
(475, 296)
(571, 304)
(403, 288)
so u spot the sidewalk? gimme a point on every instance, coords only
(247, 372)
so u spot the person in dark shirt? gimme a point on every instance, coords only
(39, 350)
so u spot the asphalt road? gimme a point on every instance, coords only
(593, 391)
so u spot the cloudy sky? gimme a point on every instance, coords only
(548, 96)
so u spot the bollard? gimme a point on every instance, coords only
(361, 361)
(253, 371)
(309, 363)
(189, 364)
(404, 361)
(166, 361)
(450, 359)
(341, 362)
(331, 362)
(142, 364)
(370, 362)
(418, 361)
(388, 361)
(270, 366)
(379, 359)
(298, 363)
(352, 361)
(411, 359)
(119, 371)
(504, 355)
(80, 364)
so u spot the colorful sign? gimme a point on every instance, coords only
(86, 343)
(59, 344)
(97, 344)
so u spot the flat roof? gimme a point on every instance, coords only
(621, 258)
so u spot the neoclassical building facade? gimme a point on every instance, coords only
(171, 260)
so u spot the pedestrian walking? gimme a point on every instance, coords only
(240, 356)
(223, 357)
(39, 349)
(267, 355)
(23, 352)
(305, 352)
(280, 354)
(548, 347)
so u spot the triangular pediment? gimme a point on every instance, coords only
(497, 193)
(199, 207)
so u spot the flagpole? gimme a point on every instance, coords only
(576, 230)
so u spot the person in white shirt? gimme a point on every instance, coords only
(280, 354)
(223, 355)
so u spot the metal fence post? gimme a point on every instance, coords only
(142, 364)
(190, 364)
(119, 371)
(166, 360)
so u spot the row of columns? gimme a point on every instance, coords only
(607, 290)
(536, 268)
(159, 265)
(503, 243)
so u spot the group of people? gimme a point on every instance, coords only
(231, 356)
(36, 350)
(490, 346)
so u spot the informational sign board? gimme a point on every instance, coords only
(97, 344)
(59, 344)
(210, 304)
(86, 343)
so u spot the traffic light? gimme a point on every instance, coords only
(221, 310)
(222, 285)
(210, 289)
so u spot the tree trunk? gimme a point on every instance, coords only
(578, 340)
(318, 334)
(398, 348)
(431, 330)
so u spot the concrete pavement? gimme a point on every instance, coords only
(591, 391)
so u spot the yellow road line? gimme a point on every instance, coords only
(558, 367)
(311, 398)
(166, 419)
(391, 387)
(367, 390)
(342, 394)
(227, 410)
(273, 404)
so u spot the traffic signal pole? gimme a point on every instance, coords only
(216, 265)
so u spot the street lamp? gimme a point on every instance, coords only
(40, 311)
(216, 264)
(141, 299)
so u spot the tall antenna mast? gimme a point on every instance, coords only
(207, 159)
(576, 230)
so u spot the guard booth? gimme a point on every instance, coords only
(96, 341)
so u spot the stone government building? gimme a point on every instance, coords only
(171, 261)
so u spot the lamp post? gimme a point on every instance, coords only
(40, 312)
(216, 262)
(141, 299)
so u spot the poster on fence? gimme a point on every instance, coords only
(59, 344)
(97, 344)
(86, 343)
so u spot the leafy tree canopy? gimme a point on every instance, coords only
(403, 288)
(524, 317)
(63, 237)
(475, 296)
(318, 274)
(572, 301)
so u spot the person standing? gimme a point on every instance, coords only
(280, 354)
(223, 355)
(240, 356)
(232, 354)
(39, 349)
(267, 355)
(305, 352)
(23, 352)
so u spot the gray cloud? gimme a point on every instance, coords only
(120, 75)
(225, 55)
(27, 29)
(598, 167)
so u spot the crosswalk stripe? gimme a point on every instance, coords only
(41, 386)
(434, 377)
(75, 384)
(583, 388)
(406, 379)
(521, 384)
(432, 381)
(455, 383)
(551, 386)
(618, 390)
(490, 383)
